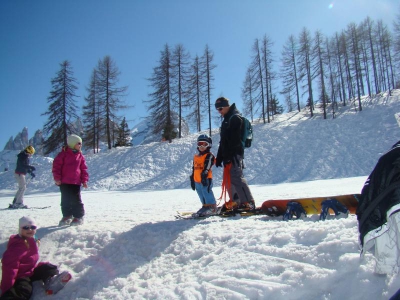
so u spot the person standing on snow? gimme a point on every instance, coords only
(201, 178)
(70, 172)
(20, 268)
(230, 154)
(23, 167)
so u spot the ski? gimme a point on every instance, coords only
(225, 214)
(31, 207)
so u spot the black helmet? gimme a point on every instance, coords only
(204, 138)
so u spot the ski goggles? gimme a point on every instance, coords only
(203, 144)
(29, 227)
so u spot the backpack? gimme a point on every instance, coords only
(247, 131)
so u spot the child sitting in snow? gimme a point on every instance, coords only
(201, 178)
(20, 268)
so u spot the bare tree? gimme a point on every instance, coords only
(268, 73)
(396, 45)
(257, 74)
(207, 67)
(318, 68)
(195, 94)
(289, 72)
(179, 77)
(305, 62)
(247, 95)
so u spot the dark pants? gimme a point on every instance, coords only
(238, 182)
(22, 288)
(71, 202)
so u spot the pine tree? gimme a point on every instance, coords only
(124, 135)
(92, 115)
(109, 95)
(62, 109)
(160, 99)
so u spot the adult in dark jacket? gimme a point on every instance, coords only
(231, 152)
(23, 168)
(378, 212)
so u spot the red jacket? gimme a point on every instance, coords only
(19, 260)
(70, 167)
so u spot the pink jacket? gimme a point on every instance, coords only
(19, 260)
(70, 167)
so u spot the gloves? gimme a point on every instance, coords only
(226, 162)
(192, 182)
(204, 180)
(218, 161)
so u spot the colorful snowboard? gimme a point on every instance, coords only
(312, 205)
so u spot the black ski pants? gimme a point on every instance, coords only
(238, 182)
(71, 202)
(22, 288)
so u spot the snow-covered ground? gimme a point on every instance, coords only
(131, 246)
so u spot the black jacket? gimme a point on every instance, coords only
(380, 193)
(23, 166)
(231, 136)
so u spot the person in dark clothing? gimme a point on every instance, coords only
(23, 167)
(230, 154)
(378, 212)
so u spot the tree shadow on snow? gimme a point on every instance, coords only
(127, 252)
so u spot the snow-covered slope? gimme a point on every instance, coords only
(131, 246)
(292, 148)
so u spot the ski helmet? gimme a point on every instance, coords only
(30, 150)
(204, 138)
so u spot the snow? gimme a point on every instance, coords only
(131, 246)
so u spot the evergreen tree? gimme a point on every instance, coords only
(124, 134)
(109, 94)
(62, 109)
(92, 115)
(160, 99)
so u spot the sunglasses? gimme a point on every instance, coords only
(220, 108)
(203, 144)
(29, 227)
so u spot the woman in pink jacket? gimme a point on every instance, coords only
(70, 172)
(20, 267)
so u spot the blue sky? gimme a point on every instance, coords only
(36, 36)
